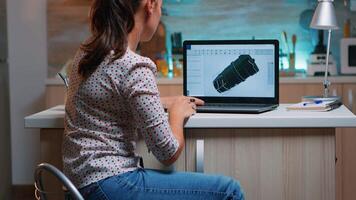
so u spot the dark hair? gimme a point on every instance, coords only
(110, 23)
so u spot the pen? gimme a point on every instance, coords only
(294, 41)
(285, 41)
(313, 102)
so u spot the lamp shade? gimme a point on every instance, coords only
(324, 16)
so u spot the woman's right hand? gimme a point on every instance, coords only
(184, 107)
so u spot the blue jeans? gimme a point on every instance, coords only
(153, 184)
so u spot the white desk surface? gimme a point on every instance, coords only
(279, 118)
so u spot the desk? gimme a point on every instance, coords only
(275, 155)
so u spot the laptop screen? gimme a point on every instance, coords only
(239, 69)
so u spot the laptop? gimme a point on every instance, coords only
(232, 76)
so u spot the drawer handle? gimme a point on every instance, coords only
(200, 156)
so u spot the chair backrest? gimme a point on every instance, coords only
(59, 175)
(64, 78)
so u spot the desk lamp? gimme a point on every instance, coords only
(324, 19)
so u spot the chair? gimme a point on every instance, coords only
(40, 192)
(64, 78)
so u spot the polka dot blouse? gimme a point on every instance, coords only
(104, 115)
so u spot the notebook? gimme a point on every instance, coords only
(315, 105)
(232, 76)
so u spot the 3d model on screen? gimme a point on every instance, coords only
(237, 72)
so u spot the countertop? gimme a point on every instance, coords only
(279, 118)
(284, 80)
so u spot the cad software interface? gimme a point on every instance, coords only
(231, 70)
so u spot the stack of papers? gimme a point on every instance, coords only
(315, 105)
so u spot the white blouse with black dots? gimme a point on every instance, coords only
(103, 115)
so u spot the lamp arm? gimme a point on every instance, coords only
(326, 81)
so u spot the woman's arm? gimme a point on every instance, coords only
(163, 136)
(180, 108)
(168, 101)
(176, 125)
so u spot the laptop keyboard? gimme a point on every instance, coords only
(234, 105)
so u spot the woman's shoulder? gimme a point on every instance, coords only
(131, 60)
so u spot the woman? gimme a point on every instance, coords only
(112, 97)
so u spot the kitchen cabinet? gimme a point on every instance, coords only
(292, 92)
(346, 149)
(269, 163)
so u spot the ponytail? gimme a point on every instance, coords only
(110, 23)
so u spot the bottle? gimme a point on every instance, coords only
(162, 65)
(347, 28)
(347, 21)
(177, 68)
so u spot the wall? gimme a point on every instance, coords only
(27, 51)
(246, 19)
(67, 28)
(5, 159)
(204, 19)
